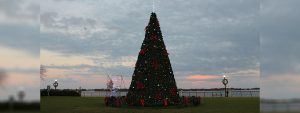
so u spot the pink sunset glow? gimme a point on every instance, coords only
(202, 77)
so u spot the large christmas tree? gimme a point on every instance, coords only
(153, 82)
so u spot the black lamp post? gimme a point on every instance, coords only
(21, 94)
(55, 84)
(48, 89)
(225, 82)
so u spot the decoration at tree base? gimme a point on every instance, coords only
(114, 101)
(106, 101)
(190, 100)
(185, 101)
(165, 102)
(120, 101)
(196, 100)
(153, 82)
(142, 102)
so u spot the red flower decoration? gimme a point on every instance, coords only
(154, 38)
(142, 52)
(173, 91)
(140, 85)
(155, 64)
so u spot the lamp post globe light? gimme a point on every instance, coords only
(225, 82)
(55, 84)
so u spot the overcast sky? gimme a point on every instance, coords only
(20, 50)
(280, 45)
(82, 41)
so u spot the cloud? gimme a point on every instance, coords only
(19, 12)
(19, 20)
(20, 50)
(18, 60)
(79, 27)
(25, 38)
(202, 77)
(54, 58)
(279, 52)
(202, 37)
(279, 38)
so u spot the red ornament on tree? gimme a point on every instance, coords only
(139, 85)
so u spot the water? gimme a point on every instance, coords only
(280, 107)
(232, 93)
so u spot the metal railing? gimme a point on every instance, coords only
(232, 93)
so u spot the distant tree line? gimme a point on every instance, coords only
(19, 106)
(211, 89)
(58, 92)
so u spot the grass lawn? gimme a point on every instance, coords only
(96, 105)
